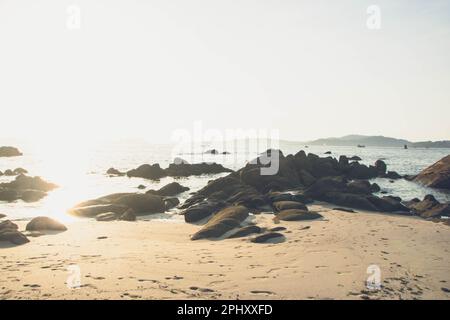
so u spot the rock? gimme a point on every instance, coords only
(171, 202)
(381, 167)
(328, 152)
(128, 215)
(345, 210)
(107, 216)
(296, 215)
(359, 186)
(141, 203)
(7, 224)
(170, 189)
(94, 210)
(23, 182)
(355, 158)
(275, 229)
(114, 172)
(436, 175)
(13, 236)
(322, 186)
(9, 173)
(375, 187)
(360, 171)
(306, 178)
(429, 207)
(9, 195)
(32, 195)
(212, 151)
(201, 211)
(226, 152)
(185, 170)
(18, 171)
(141, 186)
(284, 205)
(2, 215)
(267, 237)
(388, 204)
(222, 222)
(9, 152)
(357, 201)
(45, 223)
(147, 171)
(392, 175)
(245, 231)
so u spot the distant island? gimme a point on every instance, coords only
(378, 141)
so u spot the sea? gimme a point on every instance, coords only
(80, 170)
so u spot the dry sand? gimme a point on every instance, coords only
(154, 259)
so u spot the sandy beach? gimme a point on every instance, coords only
(155, 259)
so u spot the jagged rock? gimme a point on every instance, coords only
(436, 175)
(267, 237)
(128, 215)
(245, 231)
(45, 223)
(222, 222)
(107, 216)
(170, 189)
(7, 151)
(284, 205)
(296, 215)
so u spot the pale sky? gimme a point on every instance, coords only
(309, 69)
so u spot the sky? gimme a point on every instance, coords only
(81, 70)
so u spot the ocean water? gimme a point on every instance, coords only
(79, 171)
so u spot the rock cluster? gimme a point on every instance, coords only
(28, 189)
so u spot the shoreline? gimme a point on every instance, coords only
(154, 259)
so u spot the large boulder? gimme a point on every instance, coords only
(9, 232)
(222, 222)
(296, 215)
(201, 210)
(45, 223)
(7, 151)
(436, 175)
(170, 189)
(142, 203)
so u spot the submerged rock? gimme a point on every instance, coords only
(45, 223)
(436, 175)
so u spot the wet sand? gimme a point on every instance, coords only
(154, 259)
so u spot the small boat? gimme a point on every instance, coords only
(361, 146)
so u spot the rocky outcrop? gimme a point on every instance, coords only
(170, 189)
(436, 175)
(9, 232)
(429, 207)
(45, 223)
(222, 222)
(28, 189)
(9, 152)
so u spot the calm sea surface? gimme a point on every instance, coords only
(80, 171)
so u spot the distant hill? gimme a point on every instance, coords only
(377, 141)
